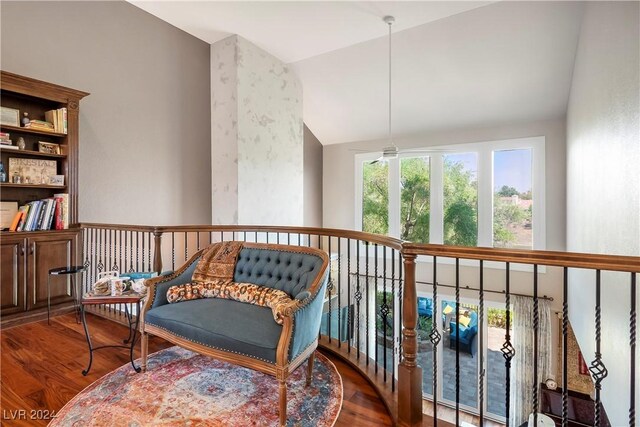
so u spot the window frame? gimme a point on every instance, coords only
(484, 176)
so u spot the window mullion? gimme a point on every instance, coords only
(394, 198)
(485, 197)
(436, 216)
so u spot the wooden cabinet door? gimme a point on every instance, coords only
(47, 252)
(12, 276)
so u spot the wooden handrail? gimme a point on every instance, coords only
(624, 263)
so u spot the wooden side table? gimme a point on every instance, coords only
(131, 298)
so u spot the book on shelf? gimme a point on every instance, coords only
(63, 218)
(5, 135)
(58, 118)
(9, 147)
(42, 215)
(16, 220)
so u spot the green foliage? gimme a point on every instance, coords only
(375, 198)
(424, 327)
(460, 205)
(505, 214)
(497, 317)
(507, 191)
(414, 199)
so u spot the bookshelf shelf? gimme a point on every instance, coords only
(7, 128)
(31, 153)
(12, 185)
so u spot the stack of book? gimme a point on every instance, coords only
(5, 141)
(58, 118)
(40, 125)
(45, 214)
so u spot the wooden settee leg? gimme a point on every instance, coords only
(310, 368)
(144, 340)
(283, 403)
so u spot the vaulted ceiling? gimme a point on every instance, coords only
(455, 64)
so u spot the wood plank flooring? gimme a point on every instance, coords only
(41, 370)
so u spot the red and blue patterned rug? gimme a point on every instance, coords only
(182, 388)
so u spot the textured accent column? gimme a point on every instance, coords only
(409, 373)
(257, 148)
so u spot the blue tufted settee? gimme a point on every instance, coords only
(242, 333)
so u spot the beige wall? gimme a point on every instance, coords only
(312, 180)
(603, 184)
(144, 130)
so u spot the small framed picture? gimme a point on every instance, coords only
(9, 116)
(48, 147)
(56, 180)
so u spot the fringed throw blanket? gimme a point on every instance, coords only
(213, 278)
(275, 299)
(217, 263)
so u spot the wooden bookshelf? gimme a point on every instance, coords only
(27, 256)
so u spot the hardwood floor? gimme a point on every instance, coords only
(41, 370)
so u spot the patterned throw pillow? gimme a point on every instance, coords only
(275, 299)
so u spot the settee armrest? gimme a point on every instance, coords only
(306, 320)
(157, 287)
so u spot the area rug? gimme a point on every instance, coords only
(184, 388)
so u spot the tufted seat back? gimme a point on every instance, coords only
(292, 272)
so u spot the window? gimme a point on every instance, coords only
(375, 197)
(479, 194)
(460, 199)
(414, 199)
(512, 199)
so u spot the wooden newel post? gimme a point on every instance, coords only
(409, 373)
(157, 251)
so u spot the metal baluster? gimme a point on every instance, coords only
(400, 284)
(598, 369)
(198, 241)
(186, 246)
(267, 233)
(329, 289)
(100, 263)
(507, 348)
(309, 240)
(151, 251)
(358, 296)
(394, 315)
(384, 311)
(435, 338)
(481, 345)
(173, 251)
(278, 237)
(137, 251)
(536, 344)
(366, 302)
(288, 238)
(349, 315)
(375, 300)
(457, 341)
(339, 291)
(632, 342)
(565, 327)
(131, 268)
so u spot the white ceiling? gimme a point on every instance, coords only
(455, 64)
(295, 30)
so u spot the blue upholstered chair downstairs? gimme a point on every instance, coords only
(242, 333)
(468, 335)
